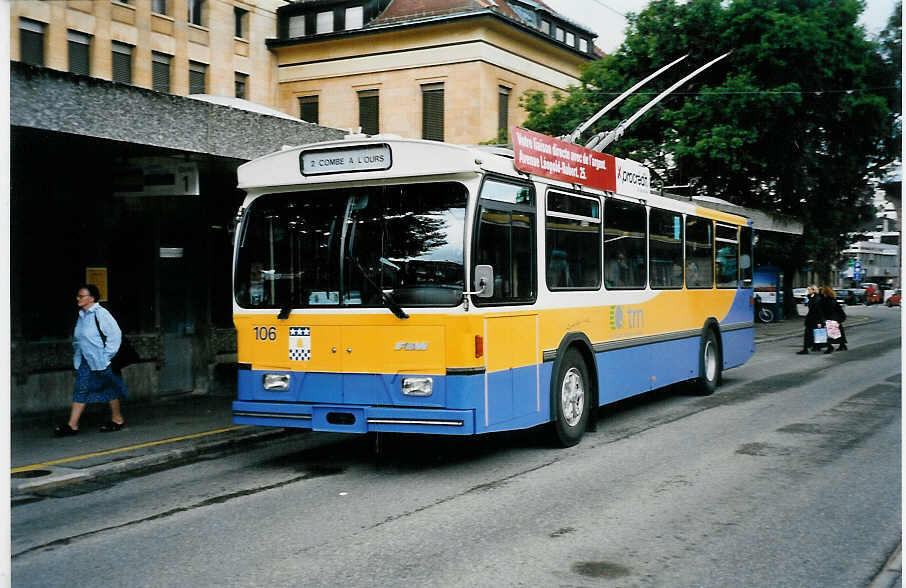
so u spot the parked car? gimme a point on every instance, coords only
(801, 295)
(894, 299)
(847, 297)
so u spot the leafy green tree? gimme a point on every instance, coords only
(797, 120)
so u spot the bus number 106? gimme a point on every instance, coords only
(265, 333)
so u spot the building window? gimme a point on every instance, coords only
(324, 22)
(545, 27)
(308, 109)
(297, 26)
(160, 72)
(369, 114)
(197, 75)
(79, 53)
(31, 41)
(433, 112)
(196, 12)
(560, 34)
(503, 113)
(241, 82)
(122, 63)
(159, 6)
(354, 18)
(583, 45)
(570, 39)
(241, 18)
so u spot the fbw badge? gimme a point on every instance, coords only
(299, 343)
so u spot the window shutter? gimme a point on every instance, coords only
(308, 109)
(369, 112)
(79, 53)
(31, 41)
(241, 85)
(503, 112)
(433, 112)
(122, 63)
(197, 77)
(160, 72)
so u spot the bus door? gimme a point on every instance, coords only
(505, 240)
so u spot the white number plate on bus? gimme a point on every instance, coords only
(352, 159)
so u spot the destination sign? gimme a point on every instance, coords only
(545, 156)
(345, 160)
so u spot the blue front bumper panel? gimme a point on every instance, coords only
(354, 419)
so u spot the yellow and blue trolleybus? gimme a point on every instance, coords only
(384, 284)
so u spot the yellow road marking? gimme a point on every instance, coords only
(45, 464)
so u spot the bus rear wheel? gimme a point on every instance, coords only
(572, 397)
(708, 364)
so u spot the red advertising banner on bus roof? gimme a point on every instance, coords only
(541, 155)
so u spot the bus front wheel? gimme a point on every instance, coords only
(708, 364)
(572, 398)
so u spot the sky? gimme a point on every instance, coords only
(604, 16)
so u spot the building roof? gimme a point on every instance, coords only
(409, 10)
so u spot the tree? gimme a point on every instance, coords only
(797, 120)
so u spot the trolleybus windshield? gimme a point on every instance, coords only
(364, 246)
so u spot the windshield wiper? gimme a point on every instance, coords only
(386, 296)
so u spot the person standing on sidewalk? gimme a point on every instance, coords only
(814, 318)
(833, 312)
(96, 339)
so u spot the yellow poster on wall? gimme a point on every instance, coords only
(98, 277)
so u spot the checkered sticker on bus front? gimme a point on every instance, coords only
(299, 343)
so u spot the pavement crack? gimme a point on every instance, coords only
(220, 499)
(487, 486)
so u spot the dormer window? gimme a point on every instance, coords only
(570, 39)
(297, 26)
(583, 45)
(545, 27)
(324, 22)
(560, 34)
(354, 18)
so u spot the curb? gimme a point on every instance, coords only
(891, 572)
(63, 476)
(780, 337)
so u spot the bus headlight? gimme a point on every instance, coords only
(418, 386)
(276, 382)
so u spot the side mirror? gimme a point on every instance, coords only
(483, 280)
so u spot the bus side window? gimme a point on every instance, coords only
(505, 240)
(699, 252)
(624, 244)
(573, 241)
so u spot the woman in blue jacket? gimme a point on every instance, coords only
(96, 339)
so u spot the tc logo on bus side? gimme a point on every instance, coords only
(627, 318)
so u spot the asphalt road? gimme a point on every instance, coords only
(788, 476)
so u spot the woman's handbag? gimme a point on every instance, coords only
(833, 329)
(820, 335)
(125, 355)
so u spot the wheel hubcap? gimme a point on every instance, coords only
(572, 396)
(710, 361)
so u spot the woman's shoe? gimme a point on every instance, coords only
(803, 352)
(111, 426)
(64, 430)
(842, 347)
